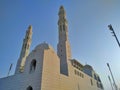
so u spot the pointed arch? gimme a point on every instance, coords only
(33, 65)
(29, 88)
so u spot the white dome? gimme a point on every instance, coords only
(43, 46)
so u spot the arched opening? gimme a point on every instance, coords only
(29, 88)
(33, 65)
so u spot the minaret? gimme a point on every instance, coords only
(63, 48)
(25, 51)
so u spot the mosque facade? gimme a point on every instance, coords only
(44, 69)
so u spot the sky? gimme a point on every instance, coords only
(90, 39)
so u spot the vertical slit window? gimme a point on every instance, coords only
(33, 66)
(60, 28)
(64, 27)
(91, 82)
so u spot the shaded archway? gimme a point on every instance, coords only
(29, 88)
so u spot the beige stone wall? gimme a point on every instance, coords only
(53, 80)
(77, 81)
(51, 71)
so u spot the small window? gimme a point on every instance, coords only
(29, 88)
(33, 65)
(80, 74)
(91, 82)
(77, 73)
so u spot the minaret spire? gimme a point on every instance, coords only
(64, 51)
(62, 18)
(62, 13)
(25, 50)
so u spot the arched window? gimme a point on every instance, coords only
(33, 65)
(29, 88)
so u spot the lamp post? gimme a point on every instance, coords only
(112, 77)
(110, 82)
(114, 34)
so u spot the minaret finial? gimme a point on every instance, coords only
(30, 27)
(62, 8)
(62, 13)
(25, 50)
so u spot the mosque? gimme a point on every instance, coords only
(44, 69)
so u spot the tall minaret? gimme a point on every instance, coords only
(64, 51)
(25, 51)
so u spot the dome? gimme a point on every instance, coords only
(88, 67)
(43, 46)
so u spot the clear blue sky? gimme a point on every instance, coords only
(91, 41)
